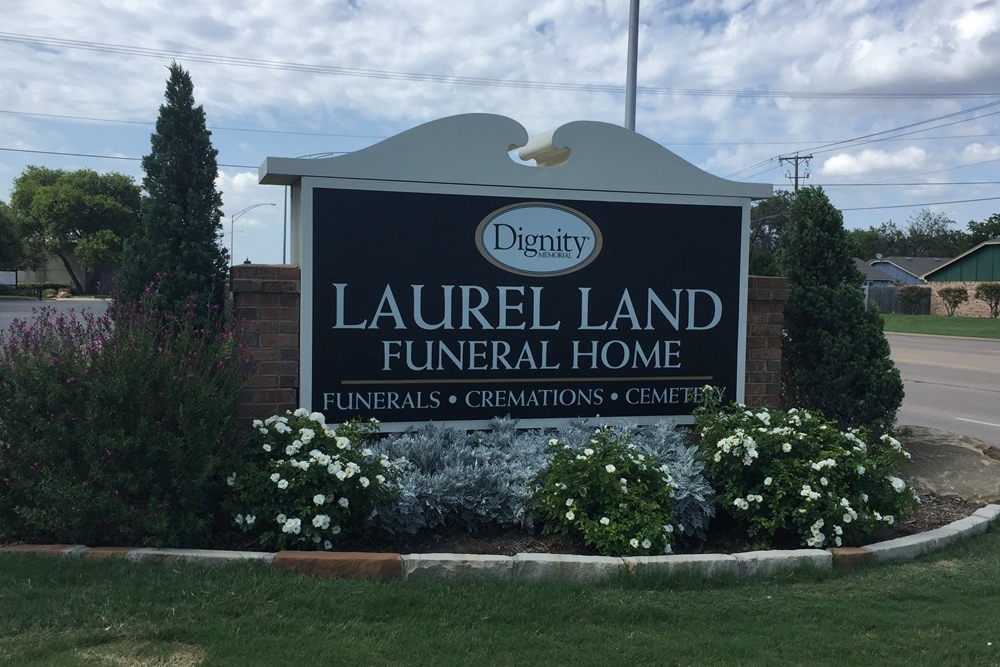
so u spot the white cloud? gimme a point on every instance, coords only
(873, 160)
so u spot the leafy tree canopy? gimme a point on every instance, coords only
(55, 211)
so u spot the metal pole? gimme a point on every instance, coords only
(633, 56)
(232, 228)
(284, 228)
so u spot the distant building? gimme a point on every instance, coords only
(908, 270)
(978, 265)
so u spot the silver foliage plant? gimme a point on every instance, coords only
(482, 480)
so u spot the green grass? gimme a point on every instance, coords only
(973, 327)
(942, 610)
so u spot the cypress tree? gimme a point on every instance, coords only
(835, 356)
(181, 212)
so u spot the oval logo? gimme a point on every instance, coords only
(538, 239)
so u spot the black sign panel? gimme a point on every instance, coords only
(451, 307)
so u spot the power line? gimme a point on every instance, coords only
(119, 49)
(931, 203)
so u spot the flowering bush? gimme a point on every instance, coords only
(609, 495)
(794, 473)
(113, 429)
(303, 484)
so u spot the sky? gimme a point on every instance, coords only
(896, 101)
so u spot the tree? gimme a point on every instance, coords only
(57, 211)
(953, 297)
(930, 235)
(768, 219)
(835, 355)
(10, 241)
(985, 230)
(912, 296)
(885, 240)
(181, 213)
(990, 293)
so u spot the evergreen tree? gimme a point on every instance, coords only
(181, 212)
(835, 356)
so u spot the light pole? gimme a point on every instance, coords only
(232, 228)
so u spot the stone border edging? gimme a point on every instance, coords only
(542, 566)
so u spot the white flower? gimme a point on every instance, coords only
(263, 430)
(767, 481)
(257, 423)
(610, 468)
(343, 443)
(306, 434)
(281, 518)
(300, 412)
(570, 516)
(897, 484)
(275, 476)
(380, 479)
(634, 543)
(588, 452)
(838, 530)
(363, 481)
(321, 521)
(292, 526)
(327, 544)
(861, 470)
(838, 541)
(317, 417)
(646, 544)
(605, 521)
(239, 519)
(250, 518)
(667, 549)
(553, 442)
(569, 502)
(282, 483)
(319, 499)
(824, 481)
(847, 518)
(343, 502)
(367, 452)
(266, 447)
(231, 479)
(787, 447)
(341, 475)
(335, 530)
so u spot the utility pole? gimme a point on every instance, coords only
(633, 57)
(796, 159)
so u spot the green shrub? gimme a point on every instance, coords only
(912, 296)
(990, 293)
(835, 358)
(115, 433)
(302, 484)
(953, 297)
(608, 495)
(795, 476)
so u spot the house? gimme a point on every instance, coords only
(978, 265)
(873, 276)
(879, 287)
(908, 270)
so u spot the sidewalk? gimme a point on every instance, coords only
(947, 464)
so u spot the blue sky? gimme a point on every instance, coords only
(892, 98)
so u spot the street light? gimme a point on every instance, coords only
(232, 227)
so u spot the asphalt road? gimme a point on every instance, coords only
(952, 384)
(11, 309)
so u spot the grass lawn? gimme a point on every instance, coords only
(973, 327)
(941, 610)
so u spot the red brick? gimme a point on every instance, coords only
(279, 340)
(274, 396)
(846, 558)
(277, 313)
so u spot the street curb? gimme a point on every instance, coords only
(525, 567)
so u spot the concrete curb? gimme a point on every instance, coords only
(542, 567)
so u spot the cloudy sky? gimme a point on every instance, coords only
(897, 101)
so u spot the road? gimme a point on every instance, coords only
(11, 309)
(952, 384)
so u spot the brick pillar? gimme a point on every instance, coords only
(766, 298)
(266, 297)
